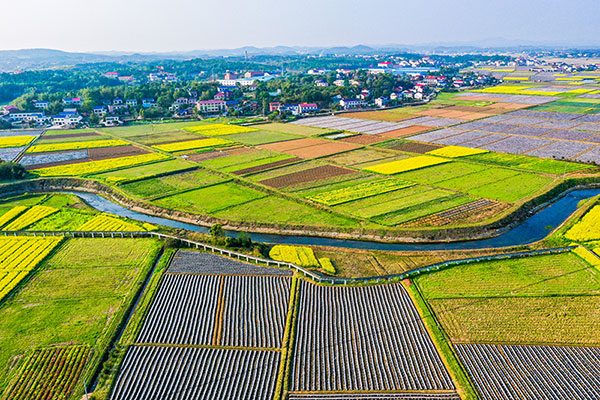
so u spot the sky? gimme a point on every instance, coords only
(179, 25)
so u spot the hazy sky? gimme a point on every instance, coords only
(166, 25)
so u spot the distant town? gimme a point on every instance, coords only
(277, 93)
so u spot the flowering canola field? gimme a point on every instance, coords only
(15, 141)
(20, 255)
(92, 144)
(219, 129)
(588, 228)
(193, 144)
(407, 164)
(91, 167)
(456, 151)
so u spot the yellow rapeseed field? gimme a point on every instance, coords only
(106, 222)
(456, 151)
(407, 164)
(20, 255)
(91, 167)
(29, 217)
(218, 129)
(15, 141)
(588, 228)
(92, 144)
(193, 144)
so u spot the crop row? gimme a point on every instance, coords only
(42, 148)
(376, 396)
(49, 374)
(456, 214)
(358, 191)
(20, 255)
(107, 223)
(91, 167)
(165, 373)
(15, 141)
(588, 228)
(363, 339)
(533, 372)
(407, 164)
(195, 262)
(29, 217)
(11, 214)
(194, 144)
(218, 129)
(212, 310)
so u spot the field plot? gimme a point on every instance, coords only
(183, 319)
(15, 141)
(53, 158)
(533, 372)
(218, 310)
(351, 124)
(587, 228)
(358, 191)
(10, 153)
(413, 147)
(218, 129)
(29, 217)
(437, 395)
(145, 171)
(308, 175)
(109, 223)
(261, 137)
(194, 262)
(210, 199)
(78, 298)
(196, 373)
(92, 144)
(474, 211)
(194, 144)
(92, 167)
(48, 374)
(408, 164)
(292, 128)
(19, 256)
(169, 184)
(551, 299)
(266, 166)
(363, 338)
(363, 139)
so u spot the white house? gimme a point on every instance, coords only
(349, 104)
(42, 104)
(211, 106)
(66, 119)
(100, 111)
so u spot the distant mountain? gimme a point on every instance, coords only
(30, 59)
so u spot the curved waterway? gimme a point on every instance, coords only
(534, 228)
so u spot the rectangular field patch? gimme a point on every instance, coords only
(363, 339)
(408, 164)
(168, 372)
(532, 372)
(308, 175)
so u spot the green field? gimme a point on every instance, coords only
(551, 299)
(210, 199)
(145, 170)
(292, 129)
(528, 163)
(171, 183)
(284, 212)
(77, 297)
(262, 137)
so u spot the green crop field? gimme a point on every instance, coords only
(550, 299)
(77, 297)
(293, 129)
(262, 137)
(529, 163)
(210, 199)
(172, 183)
(145, 170)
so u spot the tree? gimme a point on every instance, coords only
(217, 231)
(10, 171)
